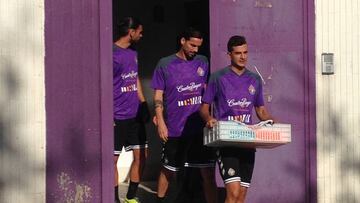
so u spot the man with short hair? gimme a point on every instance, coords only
(179, 81)
(235, 91)
(130, 108)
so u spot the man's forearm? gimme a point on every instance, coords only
(140, 91)
(263, 114)
(205, 112)
(159, 109)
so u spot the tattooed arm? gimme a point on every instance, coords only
(159, 117)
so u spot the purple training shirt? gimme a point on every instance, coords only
(183, 84)
(233, 95)
(125, 74)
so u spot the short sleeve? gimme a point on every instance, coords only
(259, 100)
(210, 91)
(158, 79)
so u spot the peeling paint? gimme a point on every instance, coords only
(82, 193)
(271, 73)
(263, 4)
(73, 192)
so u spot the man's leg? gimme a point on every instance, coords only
(243, 191)
(199, 156)
(235, 193)
(236, 167)
(138, 163)
(163, 182)
(136, 141)
(209, 184)
(116, 157)
(136, 169)
(116, 180)
(172, 160)
(119, 140)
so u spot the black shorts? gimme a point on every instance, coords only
(236, 165)
(129, 133)
(187, 151)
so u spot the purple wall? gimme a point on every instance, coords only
(78, 101)
(79, 91)
(281, 38)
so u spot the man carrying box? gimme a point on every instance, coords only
(234, 91)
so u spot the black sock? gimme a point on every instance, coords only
(117, 193)
(160, 199)
(132, 190)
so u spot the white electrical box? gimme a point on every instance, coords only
(327, 63)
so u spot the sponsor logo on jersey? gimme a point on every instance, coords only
(244, 118)
(243, 103)
(252, 90)
(190, 87)
(131, 75)
(200, 71)
(130, 88)
(190, 101)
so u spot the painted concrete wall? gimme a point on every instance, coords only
(22, 102)
(338, 109)
(79, 125)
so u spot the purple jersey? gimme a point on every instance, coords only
(125, 74)
(233, 95)
(183, 84)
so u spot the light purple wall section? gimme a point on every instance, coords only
(78, 38)
(281, 41)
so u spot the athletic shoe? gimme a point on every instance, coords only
(135, 200)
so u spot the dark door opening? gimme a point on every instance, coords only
(162, 21)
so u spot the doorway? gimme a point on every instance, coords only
(163, 21)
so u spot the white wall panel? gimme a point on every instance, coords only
(22, 101)
(338, 112)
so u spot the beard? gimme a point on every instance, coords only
(189, 56)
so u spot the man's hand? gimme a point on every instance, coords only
(163, 131)
(211, 122)
(158, 119)
(154, 120)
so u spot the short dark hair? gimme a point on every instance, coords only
(234, 41)
(125, 24)
(191, 32)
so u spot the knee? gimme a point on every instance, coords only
(140, 158)
(139, 161)
(234, 195)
